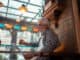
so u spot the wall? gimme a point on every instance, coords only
(66, 29)
(76, 22)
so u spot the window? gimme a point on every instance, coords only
(5, 37)
(28, 37)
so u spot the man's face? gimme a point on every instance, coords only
(42, 27)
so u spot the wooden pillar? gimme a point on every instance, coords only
(76, 23)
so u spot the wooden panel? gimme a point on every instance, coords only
(66, 30)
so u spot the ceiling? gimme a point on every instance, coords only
(11, 9)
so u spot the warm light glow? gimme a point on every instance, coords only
(23, 28)
(35, 29)
(23, 8)
(8, 26)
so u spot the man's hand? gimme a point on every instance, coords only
(22, 42)
(28, 56)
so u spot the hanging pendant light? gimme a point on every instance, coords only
(8, 26)
(1, 4)
(35, 29)
(24, 28)
(23, 8)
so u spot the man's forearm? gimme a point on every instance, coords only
(31, 44)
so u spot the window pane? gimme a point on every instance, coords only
(36, 37)
(20, 57)
(2, 14)
(28, 20)
(37, 2)
(35, 21)
(26, 36)
(14, 11)
(38, 16)
(15, 4)
(33, 8)
(5, 37)
(12, 16)
(24, 0)
(28, 14)
(3, 9)
(4, 2)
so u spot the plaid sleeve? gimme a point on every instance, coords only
(51, 41)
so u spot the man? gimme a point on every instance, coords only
(50, 39)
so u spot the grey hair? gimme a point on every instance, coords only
(45, 21)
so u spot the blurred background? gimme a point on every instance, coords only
(19, 21)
